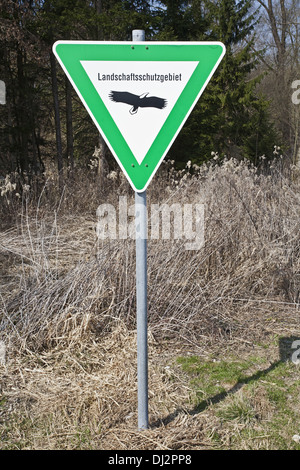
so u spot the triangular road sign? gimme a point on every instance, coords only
(139, 94)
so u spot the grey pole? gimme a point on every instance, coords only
(138, 35)
(141, 301)
(141, 293)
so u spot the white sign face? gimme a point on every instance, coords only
(139, 96)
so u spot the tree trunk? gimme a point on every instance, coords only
(23, 114)
(70, 143)
(279, 28)
(57, 120)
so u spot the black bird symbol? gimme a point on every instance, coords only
(136, 101)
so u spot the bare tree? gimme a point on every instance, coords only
(280, 28)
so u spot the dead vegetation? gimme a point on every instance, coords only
(67, 310)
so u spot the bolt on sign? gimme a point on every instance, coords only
(139, 94)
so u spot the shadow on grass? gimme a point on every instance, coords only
(286, 349)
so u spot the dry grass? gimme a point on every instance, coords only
(67, 311)
(85, 397)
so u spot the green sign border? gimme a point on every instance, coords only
(69, 55)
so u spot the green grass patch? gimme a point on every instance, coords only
(253, 405)
(213, 380)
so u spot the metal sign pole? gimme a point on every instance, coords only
(141, 301)
(141, 294)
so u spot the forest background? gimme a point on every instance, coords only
(246, 110)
